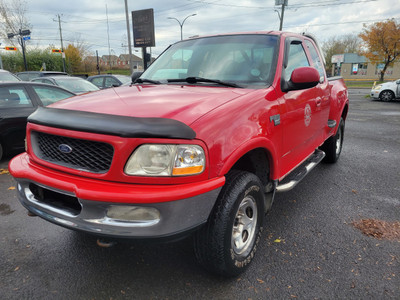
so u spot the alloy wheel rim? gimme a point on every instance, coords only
(339, 142)
(244, 227)
(386, 96)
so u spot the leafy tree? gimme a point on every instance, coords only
(76, 52)
(73, 58)
(381, 43)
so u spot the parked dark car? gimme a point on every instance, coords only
(17, 101)
(29, 75)
(73, 84)
(107, 81)
(8, 76)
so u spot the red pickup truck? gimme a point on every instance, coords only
(199, 144)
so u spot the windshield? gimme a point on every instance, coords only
(123, 78)
(8, 77)
(238, 59)
(76, 85)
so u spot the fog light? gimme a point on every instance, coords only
(146, 215)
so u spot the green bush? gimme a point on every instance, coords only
(14, 62)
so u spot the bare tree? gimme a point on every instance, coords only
(13, 18)
(83, 47)
(349, 43)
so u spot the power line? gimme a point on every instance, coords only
(340, 23)
(313, 4)
(328, 3)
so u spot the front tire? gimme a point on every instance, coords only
(333, 146)
(387, 96)
(227, 243)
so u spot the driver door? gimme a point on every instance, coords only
(301, 120)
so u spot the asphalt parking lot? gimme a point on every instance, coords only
(309, 248)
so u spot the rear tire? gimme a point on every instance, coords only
(333, 146)
(1, 152)
(226, 245)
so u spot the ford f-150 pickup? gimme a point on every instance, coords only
(198, 144)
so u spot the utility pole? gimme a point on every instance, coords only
(61, 39)
(282, 14)
(129, 36)
(283, 3)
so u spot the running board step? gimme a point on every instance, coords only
(300, 172)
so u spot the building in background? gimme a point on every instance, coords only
(136, 60)
(354, 66)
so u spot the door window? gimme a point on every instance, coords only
(317, 63)
(109, 82)
(297, 58)
(14, 97)
(47, 81)
(98, 81)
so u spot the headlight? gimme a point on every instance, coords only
(378, 87)
(166, 160)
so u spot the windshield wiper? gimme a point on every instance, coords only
(201, 79)
(144, 80)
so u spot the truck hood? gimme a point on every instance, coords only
(182, 103)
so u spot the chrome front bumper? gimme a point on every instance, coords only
(173, 217)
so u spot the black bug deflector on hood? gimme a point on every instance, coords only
(123, 126)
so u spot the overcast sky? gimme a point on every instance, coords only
(86, 20)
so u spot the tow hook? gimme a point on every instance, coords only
(105, 244)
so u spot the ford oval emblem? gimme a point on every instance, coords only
(65, 148)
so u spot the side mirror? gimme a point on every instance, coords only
(302, 78)
(398, 81)
(136, 75)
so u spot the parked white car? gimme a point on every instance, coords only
(387, 91)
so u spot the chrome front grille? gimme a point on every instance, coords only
(91, 156)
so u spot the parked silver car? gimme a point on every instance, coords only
(8, 76)
(74, 84)
(387, 91)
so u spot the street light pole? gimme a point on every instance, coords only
(181, 24)
(23, 49)
(22, 34)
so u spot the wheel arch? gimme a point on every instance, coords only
(2, 148)
(345, 111)
(257, 157)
